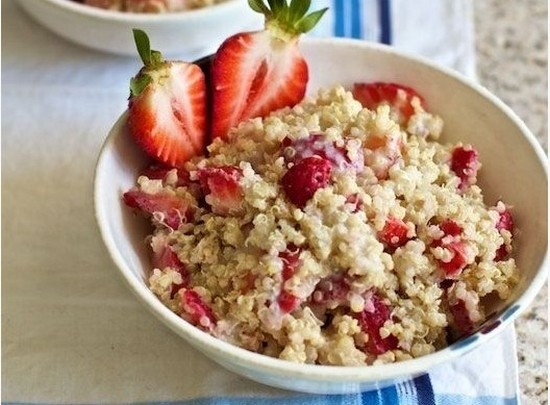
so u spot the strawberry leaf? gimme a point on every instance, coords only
(143, 46)
(299, 8)
(258, 6)
(308, 22)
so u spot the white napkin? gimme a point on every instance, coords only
(72, 332)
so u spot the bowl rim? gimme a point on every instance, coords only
(120, 16)
(348, 374)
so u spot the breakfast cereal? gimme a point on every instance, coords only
(329, 233)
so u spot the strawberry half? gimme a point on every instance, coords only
(254, 73)
(167, 106)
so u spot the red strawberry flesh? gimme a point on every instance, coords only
(394, 233)
(286, 300)
(195, 310)
(173, 211)
(465, 164)
(371, 319)
(317, 145)
(397, 96)
(223, 191)
(303, 179)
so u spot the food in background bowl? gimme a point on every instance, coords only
(472, 117)
(149, 6)
(189, 34)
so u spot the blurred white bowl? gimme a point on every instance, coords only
(187, 34)
(514, 169)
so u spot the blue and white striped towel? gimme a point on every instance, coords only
(71, 332)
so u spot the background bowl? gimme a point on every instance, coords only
(514, 169)
(188, 34)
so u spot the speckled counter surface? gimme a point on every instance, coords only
(512, 58)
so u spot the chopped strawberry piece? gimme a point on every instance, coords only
(465, 164)
(450, 227)
(317, 145)
(501, 253)
(159, 172)
(355, 202)
(223, 191)
(452, 242)
(195, 310)
(167, 107)
(397, 96)
(394, 233)
(288, 302)
(461, 318)
(505, 221)
(164, 257)
(166, 208)
(371, 319)
(254, 73)
(457, 263)
(331, 291)
(303, 179)
(291, 260)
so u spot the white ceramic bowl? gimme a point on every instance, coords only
(514, 169)
(187, 34)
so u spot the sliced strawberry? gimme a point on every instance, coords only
(254, 73)
(465, 164)
(458, 262)
(355, 202)
(397, 96)
(331, 291)
(159, 172)
(288, 302)
(166, 208)
(394, 233)
(167, 107)
(371, 319)
(223, 191)
(303, 179)
(451, 241)
(164, 257)
(195, 310)
(450, 227)
(501, 253)
(317, 145)
(505, 222)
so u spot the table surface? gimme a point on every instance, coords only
(512, 60)
(512, 56)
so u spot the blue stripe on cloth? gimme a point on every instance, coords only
(389, 395)
(385, 21)
(356, 23)
(424, 390)
(367, 398)
(339, 18)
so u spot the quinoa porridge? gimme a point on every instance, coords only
(329, 233)
(149, 6)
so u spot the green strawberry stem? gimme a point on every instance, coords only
(287, 20)
(151, 60)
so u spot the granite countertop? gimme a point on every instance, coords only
(512, 59)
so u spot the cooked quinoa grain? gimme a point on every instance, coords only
(329, 234)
